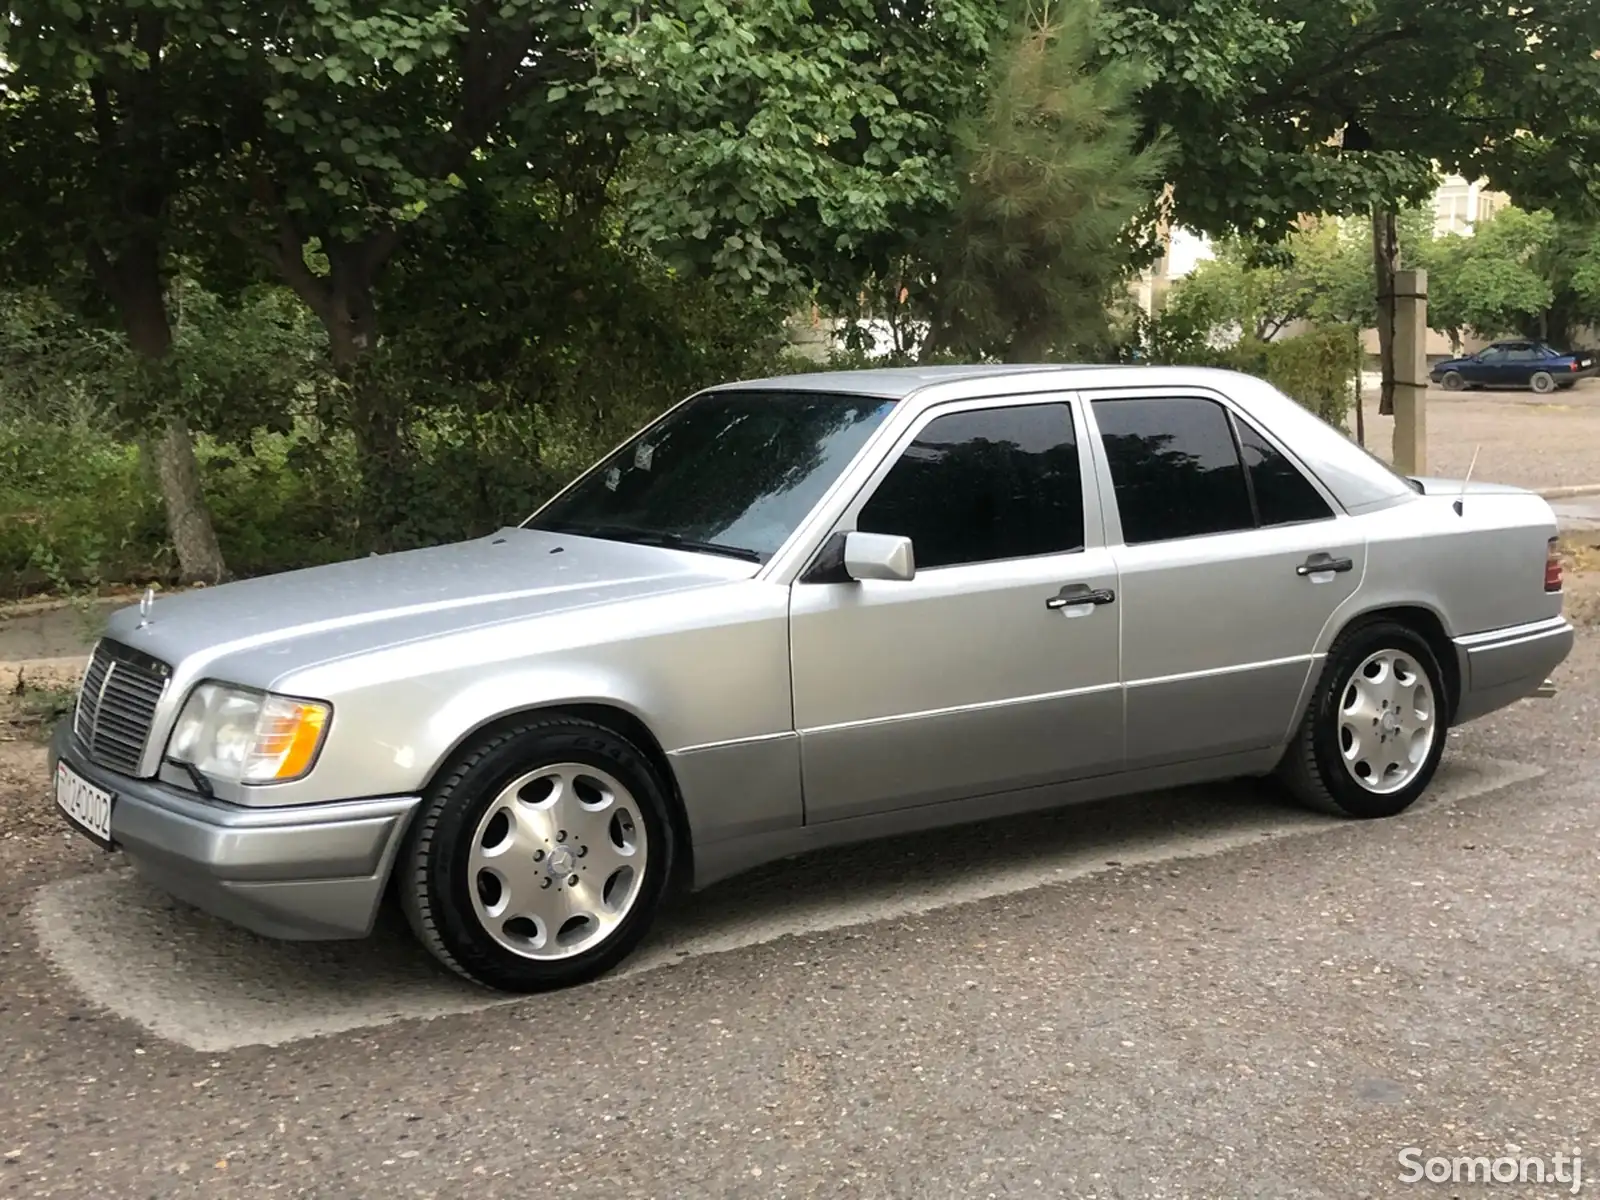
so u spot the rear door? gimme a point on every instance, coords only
(1521, 361)
(1232, 561)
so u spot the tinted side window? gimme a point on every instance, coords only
(1283, 495)
(1175, 468)
(985, 485)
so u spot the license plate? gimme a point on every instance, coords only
(88, 807)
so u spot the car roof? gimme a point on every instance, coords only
(897, 383)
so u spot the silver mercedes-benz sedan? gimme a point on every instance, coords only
(802, 611)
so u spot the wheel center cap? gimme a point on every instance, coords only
(560, 861)
(1391, 721)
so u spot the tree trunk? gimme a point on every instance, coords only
(1385, 262)
(343, 302)
(1555, 326)
(374, 420)
(188, 519)
(134, 280)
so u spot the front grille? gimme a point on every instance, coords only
(117, 706)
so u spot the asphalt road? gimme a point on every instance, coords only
(1203, 994)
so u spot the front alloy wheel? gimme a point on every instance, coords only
(1374, 732)
(557, 861)
(539, 859)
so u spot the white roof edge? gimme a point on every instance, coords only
(902, 382)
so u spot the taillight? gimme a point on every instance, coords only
(1574, 365)
(1552, 568)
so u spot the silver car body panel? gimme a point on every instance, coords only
(305, 872)
(793, 714)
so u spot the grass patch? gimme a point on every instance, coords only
(36, 708)
(1580, 567)
(1580, 553)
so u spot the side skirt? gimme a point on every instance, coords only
(720, 860)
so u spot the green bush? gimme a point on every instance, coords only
(1318, 368)
(483, 448)
(74, 508)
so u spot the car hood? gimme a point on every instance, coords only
(320, 613)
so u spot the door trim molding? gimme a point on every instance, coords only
(1232, 669)
(958, 709)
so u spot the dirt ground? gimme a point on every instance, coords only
(1519, 438)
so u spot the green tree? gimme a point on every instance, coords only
(109, 135)
(1050, 187)
(768, 146)
(793, 145)
(1293, 106)
(1232, 295)
(1528, 273)
(1493, 281)
(1321, 274)
(1346, 106)
(358, 122)
(1585, 280)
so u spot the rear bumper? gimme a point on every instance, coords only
(1503, 666)
(304, 872)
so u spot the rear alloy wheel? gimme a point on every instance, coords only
(1374, 732)
(1453, 381)
(1542, 382)
(539, 860)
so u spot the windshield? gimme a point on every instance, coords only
(731, 472)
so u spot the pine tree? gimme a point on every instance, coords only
(1052, 183)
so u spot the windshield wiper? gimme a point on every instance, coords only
(652, 537)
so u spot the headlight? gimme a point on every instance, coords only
(245, 736)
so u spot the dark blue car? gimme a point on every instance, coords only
(1514, 364)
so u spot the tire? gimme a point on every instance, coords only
(1315, 769)
(1453, 381)
(493, 834)
(1542, 382)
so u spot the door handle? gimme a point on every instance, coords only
(1319, 562)
(1074, 594)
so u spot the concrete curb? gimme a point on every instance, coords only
(32, 608)
(1576, 489)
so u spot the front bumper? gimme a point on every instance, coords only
(304, 872)
(1503, 666)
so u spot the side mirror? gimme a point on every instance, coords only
(878, 556)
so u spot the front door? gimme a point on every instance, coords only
(1232, 562)
(979, 675)
(1491, 368)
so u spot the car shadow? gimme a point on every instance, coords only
(211, 986)
(846, 885)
